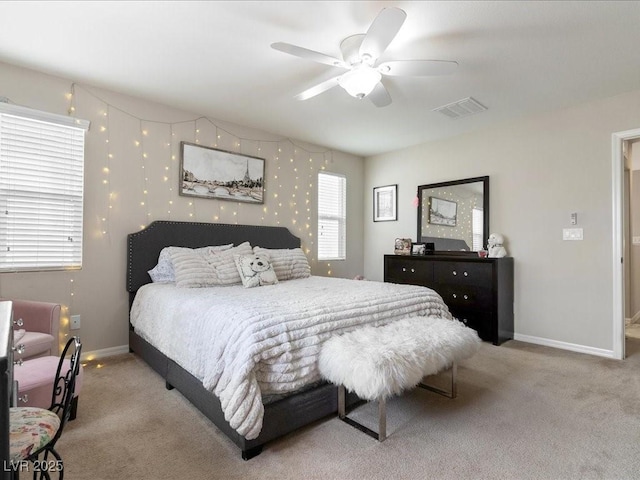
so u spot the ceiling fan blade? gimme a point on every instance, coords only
(318, 89)
(417, 68)
(380, 96)
(308, 54)
(382, 31)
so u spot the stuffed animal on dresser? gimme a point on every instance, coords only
(495, 246)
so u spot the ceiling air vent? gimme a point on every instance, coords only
(461, 108)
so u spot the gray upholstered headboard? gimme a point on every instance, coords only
(143, 247)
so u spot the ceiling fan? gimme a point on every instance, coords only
(360, 53)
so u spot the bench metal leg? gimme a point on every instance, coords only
(454, 384)
(382, 419)
(381, 435)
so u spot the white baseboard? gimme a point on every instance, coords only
(104, 353)
(573, 347)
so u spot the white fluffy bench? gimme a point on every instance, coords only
(379, 362)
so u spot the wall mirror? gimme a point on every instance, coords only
(454, 215)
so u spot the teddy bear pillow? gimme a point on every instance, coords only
(255, 270)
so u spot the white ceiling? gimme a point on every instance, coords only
(214, 58)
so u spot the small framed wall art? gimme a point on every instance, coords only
(385, 205)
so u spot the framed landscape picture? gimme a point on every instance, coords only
(442, 212)
(208, 172)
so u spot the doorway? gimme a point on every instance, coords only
(621, 247)
(631, 158)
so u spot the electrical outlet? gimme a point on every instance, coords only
(75, 322)
(635, 240)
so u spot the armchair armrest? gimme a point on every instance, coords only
(40, 317)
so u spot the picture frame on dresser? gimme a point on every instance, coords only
(418, 248)
(402, 246)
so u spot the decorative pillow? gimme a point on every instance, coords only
(163, 271)
(288, 263)
(255, 270)
(207, 269)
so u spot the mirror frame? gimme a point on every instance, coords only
(485, 207)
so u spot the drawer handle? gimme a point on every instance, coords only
(466, 274)
(464, 320)
(455, 273)
(455, 296)
(413, 270)
(466, 297)
(404, 269)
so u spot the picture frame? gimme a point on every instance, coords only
(208, 172)
(385, 204)
(402, 246)
(443, 212)
(418, 248)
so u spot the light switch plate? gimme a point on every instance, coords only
(635, 240)
(572, 234)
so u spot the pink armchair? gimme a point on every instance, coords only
(39, 332)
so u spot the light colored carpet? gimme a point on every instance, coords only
(523, 412)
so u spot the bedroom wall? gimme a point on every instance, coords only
(131, 178)
(541, 170)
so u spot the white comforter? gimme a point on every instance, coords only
(247, 342)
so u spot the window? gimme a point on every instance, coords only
(332, 216)
(41, 189)
(477, 225)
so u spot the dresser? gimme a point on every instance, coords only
(478, 291)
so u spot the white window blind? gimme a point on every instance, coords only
(332, 216)
(41, 189)
(477, 225)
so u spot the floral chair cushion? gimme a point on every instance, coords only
(30, 429)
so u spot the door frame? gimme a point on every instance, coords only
(617, 177)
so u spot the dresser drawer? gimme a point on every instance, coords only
(465, 296)
(481, 322)
(464, 273)
(408, 270)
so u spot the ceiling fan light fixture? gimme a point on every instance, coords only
(360, 81)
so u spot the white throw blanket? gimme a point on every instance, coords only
(247, 342)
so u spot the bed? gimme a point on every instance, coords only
(254, 376)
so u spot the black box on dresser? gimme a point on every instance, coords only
(478, 291)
